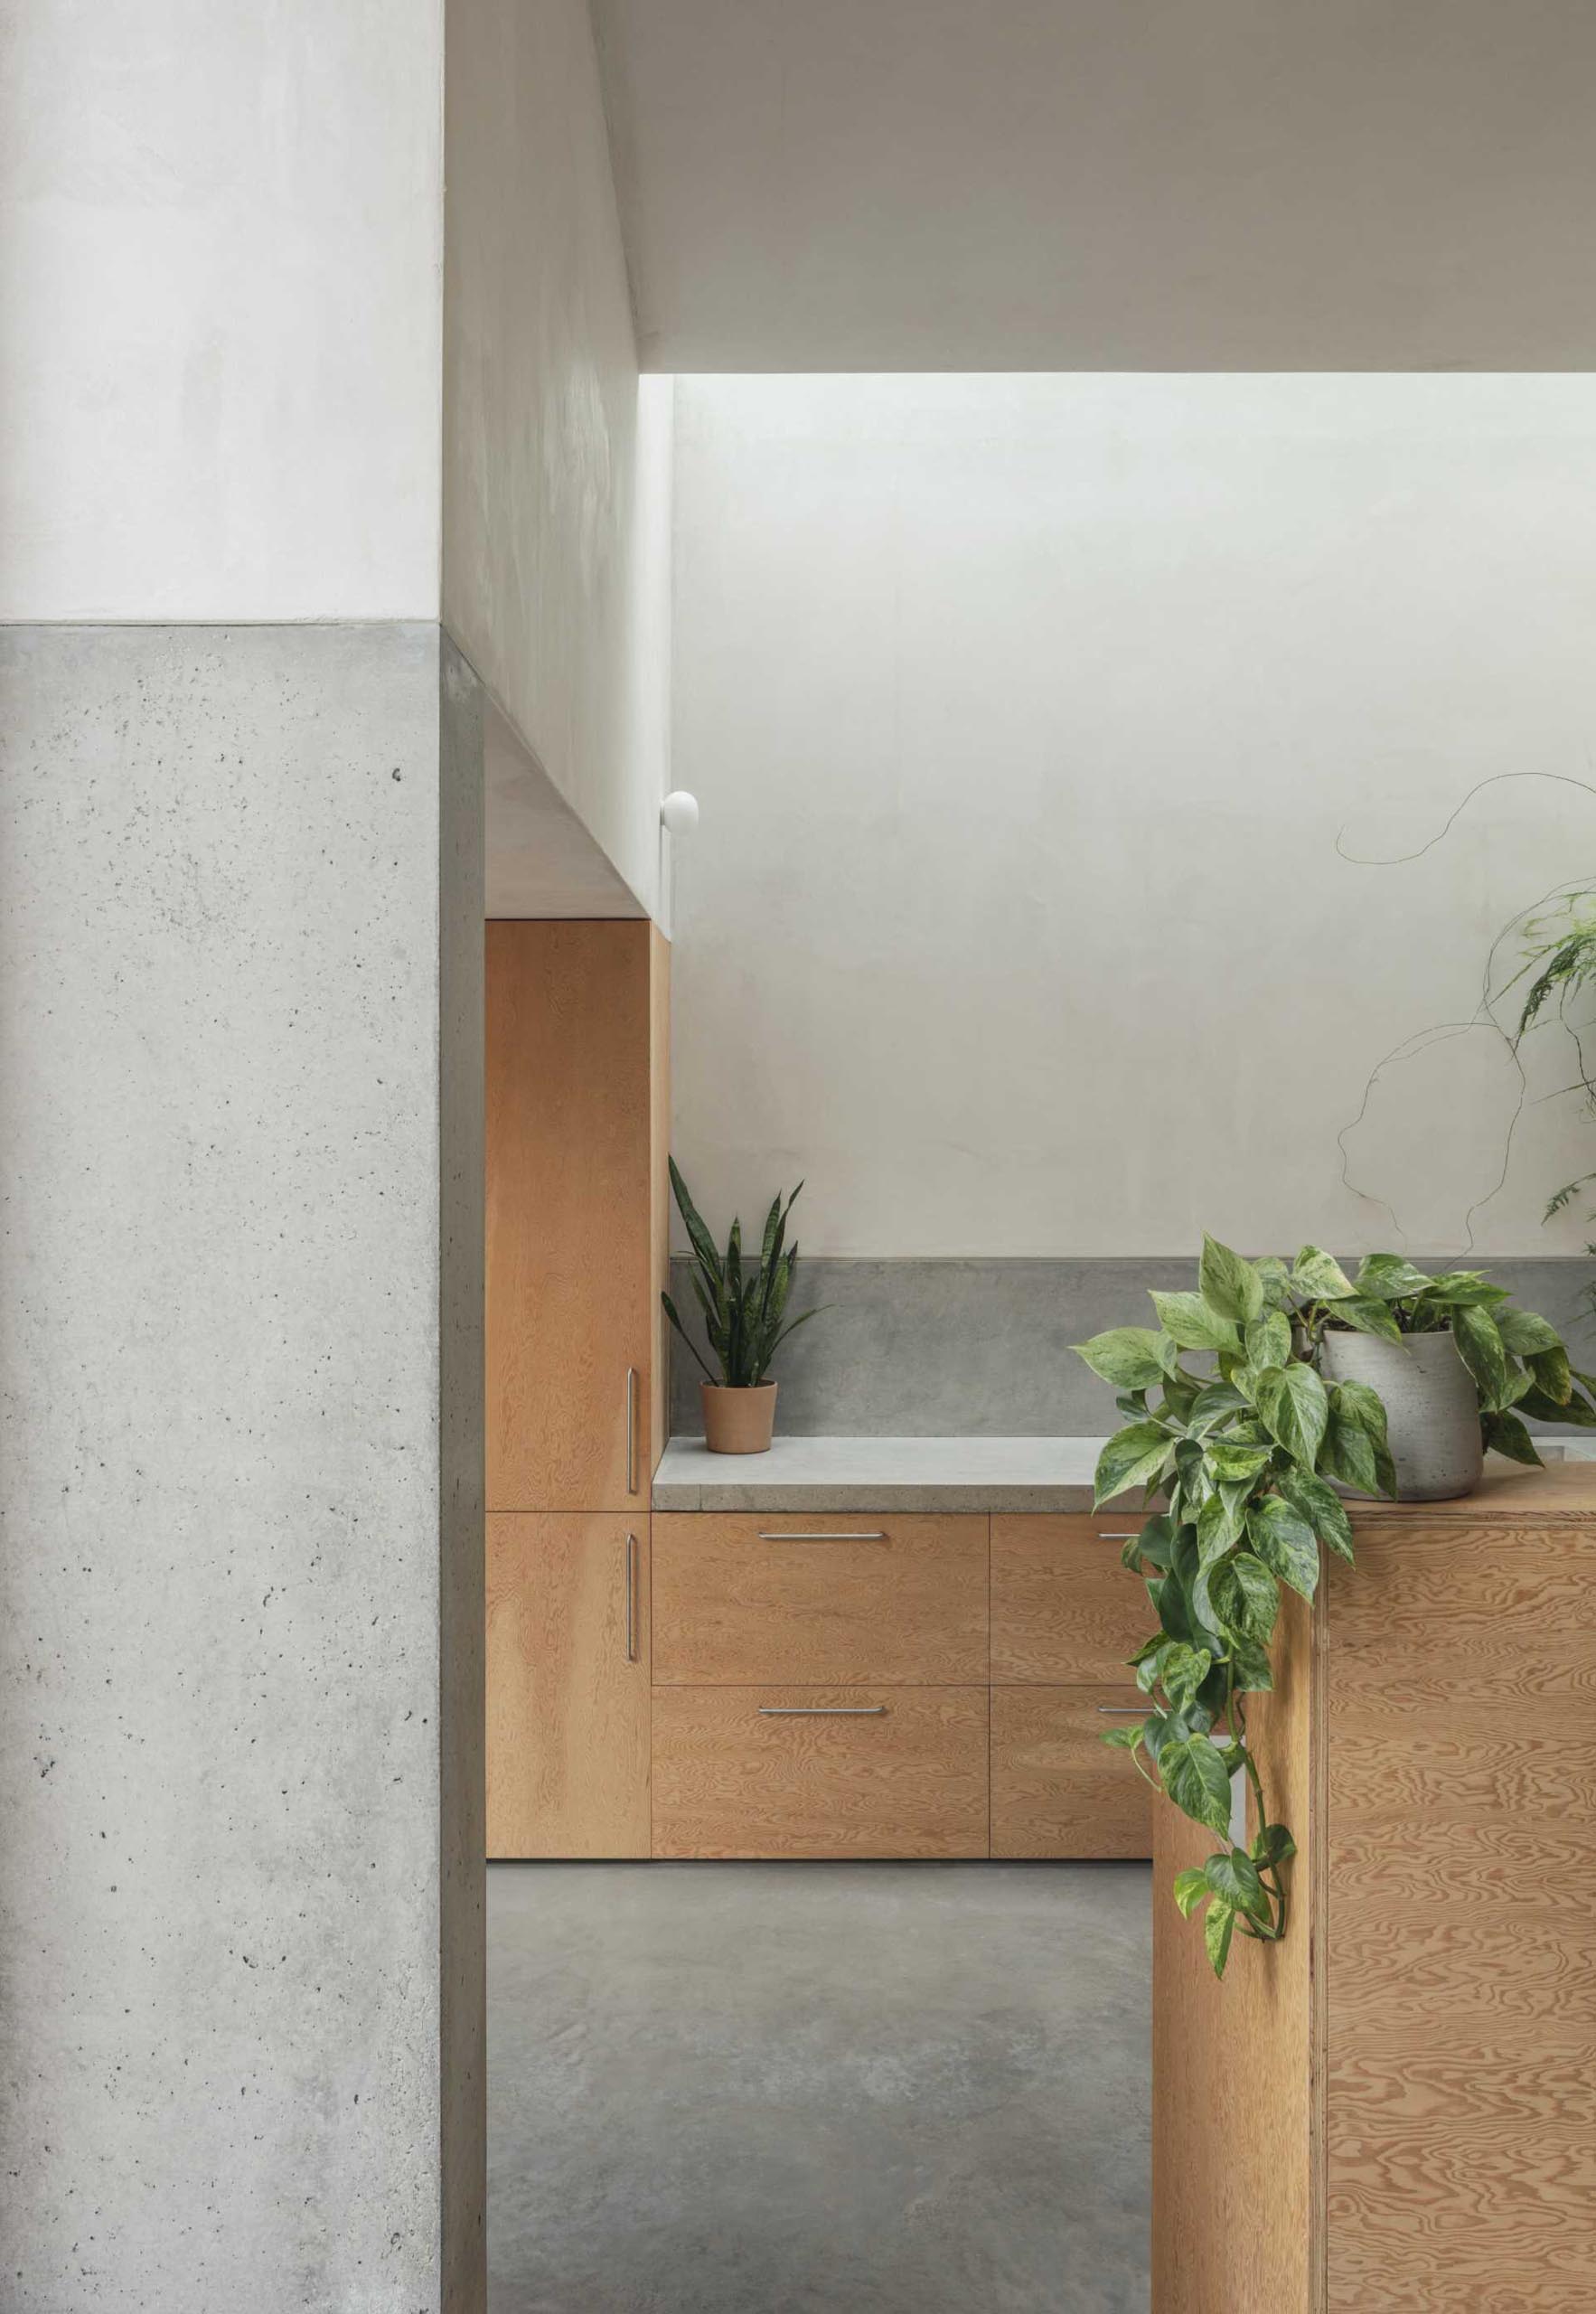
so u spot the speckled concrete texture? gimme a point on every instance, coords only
(221, 1462)
(965, 1349)
(463, 2051)
(819, 2088)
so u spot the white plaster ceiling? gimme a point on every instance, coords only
(1106, 184)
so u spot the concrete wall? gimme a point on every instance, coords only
(220, 244)
(983, 1348)
(556, 457)
(239, 1484)
(1026, 714)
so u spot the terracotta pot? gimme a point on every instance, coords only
(739, 1421)
(1431, 1409)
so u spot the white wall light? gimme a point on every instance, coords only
(679, 811)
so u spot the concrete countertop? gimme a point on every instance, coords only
(881, 1474)
(984, 1474)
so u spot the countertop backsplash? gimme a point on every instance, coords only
(981, 1348)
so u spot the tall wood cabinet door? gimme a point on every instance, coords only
(568, 1681)
(574, 1168)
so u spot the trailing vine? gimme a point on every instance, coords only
(1246, 1455)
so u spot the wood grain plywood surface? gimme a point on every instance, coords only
(567, 1734)
(905, 1777)
(1064, 1612)
(893, 1598)
(1237, 2215)
(1057, 1789)
(1461, 2014)
(570, 1221)
(659, 1191)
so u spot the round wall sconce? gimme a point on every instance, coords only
(679, 811)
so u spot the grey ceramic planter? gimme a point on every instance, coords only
(1431, 1407)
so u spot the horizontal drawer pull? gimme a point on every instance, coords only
(1123, 1710)
(822, 1711)
(1117, 1535)
(875, 1535)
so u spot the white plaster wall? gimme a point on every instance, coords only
(555, 456)
(219, 267)
(1025, 714)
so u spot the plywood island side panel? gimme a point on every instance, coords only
(1411, 2129)
(1461, 2123)
(1237, 2217)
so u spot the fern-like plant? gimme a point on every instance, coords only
(744, 1304)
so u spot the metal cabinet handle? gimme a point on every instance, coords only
(822, 1711)
(1113, 1534)
(1123, 1710)
(632, 1430)
(869, 1535)
(631, 1598)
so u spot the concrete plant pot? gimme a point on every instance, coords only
(1431, 1409)
(739, 1421)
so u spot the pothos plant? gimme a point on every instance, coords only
(1243, 1455)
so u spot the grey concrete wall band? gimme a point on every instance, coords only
(981, 1349)
(239, 1485)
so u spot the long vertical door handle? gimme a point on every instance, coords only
(631, 1598)
(632, 1430)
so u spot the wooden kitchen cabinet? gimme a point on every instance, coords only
(884, 1597)
(1057, 1788)
(568, 1682)
(1064, 1612)
(821, 1771)
(1414, 2126)
(576, 1123)
(576, 1188)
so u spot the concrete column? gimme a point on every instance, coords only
(241, 1422)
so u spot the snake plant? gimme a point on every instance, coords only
(744, 1304)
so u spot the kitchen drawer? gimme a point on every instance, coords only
(1057, 1789)
(819, 1772)
(1064, 1612)
(840, 1597)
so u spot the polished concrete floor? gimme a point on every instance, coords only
(818, 2089)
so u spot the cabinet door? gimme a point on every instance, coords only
(1064, 1612)
(574, 1155)
(1058, 1790)
(819, 1596)
(568, 1681)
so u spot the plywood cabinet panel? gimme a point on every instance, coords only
(741, 1598)
(574, 1214)
(1237, 2201)
(1461, 1999)
(568, 1681)
(1416, 2130)
(819, 1772)
(1064, 1612)
(1057, 1789)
